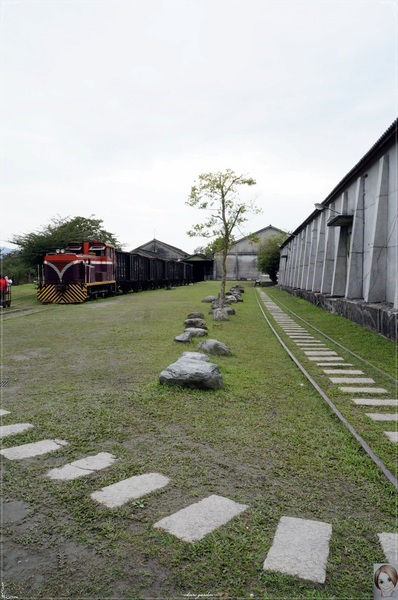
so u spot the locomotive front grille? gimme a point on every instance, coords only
(55, 294)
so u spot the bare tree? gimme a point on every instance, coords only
(218, 194)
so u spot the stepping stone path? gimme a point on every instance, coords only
(300, 547)
(325, 357)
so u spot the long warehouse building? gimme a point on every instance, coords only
(344, 256)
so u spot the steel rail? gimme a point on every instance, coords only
(337, 343)
(379, 463)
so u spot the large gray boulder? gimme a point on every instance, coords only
(194, 356)
(196, 331)
(184, 338)
(220, 314)
(196, 315)
(193, 373)
(214, 347)
(209, 299)
(237, 288)
(228, 309)
(195, 322)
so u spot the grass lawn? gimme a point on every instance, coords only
(89, 374)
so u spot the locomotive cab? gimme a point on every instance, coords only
(78, 272)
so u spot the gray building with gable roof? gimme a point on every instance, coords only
(242, 257)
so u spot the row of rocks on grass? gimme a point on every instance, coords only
(193, 369)
(222, 313)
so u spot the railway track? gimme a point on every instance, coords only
(296, 337)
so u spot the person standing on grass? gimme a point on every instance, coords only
(3, 287)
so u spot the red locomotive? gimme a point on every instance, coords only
(94, 270)
(80, 271)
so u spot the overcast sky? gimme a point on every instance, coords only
(113, 108)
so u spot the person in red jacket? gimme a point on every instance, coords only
(3, 284)
(3, 290)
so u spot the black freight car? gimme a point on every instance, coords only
(127, 271)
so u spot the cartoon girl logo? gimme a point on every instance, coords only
(385, 580)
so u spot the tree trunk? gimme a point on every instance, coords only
(223, 278)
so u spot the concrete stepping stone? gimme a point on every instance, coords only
(194, 522)
(382, 417)
(7, 430)
(343, 371)
(323, 364)
(300, 548)
(293, 333)
(135, 487)
(306, 347)
(82, 467)
(363, 390)
(313, 344)
(389, 543)
(33, 449)
(299, 336)
(392, 436)
(304, 336)
(376, 402)
(351, 380)
(325, 358)
(4, 412)
(320, 353)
